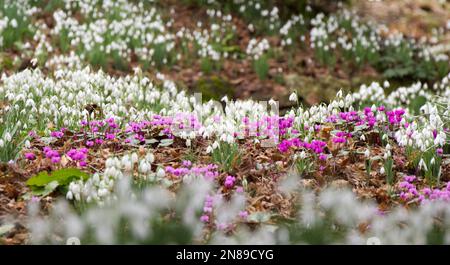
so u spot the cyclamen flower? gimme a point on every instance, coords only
(32, 134)
(110, 136)
(339, 140)
(229, 182)
(410, 179)
(50, 153)
(323, 157)
(35, 199)
(30, 156)
(79, 155)
(187, 163)
(57, 134)
(56, 159)
(243, 214)
(204, 218)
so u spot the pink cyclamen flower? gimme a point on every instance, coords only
(323, 157)
(110, 136)
(56, 159)
(30, 156)
(204, 218)
(32, 134)
(207, 209)
(243, 214)
(57, 134)
(187, 163)
(339, 140)
(229, 181)
(410, 178)
(35, 199)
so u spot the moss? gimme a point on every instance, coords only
(323, 89)
(6, 62)
(214, 87)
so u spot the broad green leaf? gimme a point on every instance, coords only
(47, 190)
(151, 141)
(62, 176)
(165, 142)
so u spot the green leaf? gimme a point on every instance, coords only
(62, 176)
(151, 141)
(166, 142)
(360, 127)
(47, 190)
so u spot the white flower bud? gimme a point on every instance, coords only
(134, 158)
(209, 149)
(367, 153)
(160, 173)
(69, 195)
(150, 158)
(293, 97)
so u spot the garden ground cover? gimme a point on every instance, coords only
(104, 135)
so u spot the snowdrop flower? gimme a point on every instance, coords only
(367, 153)
(209, 149)
(160, 173)
(144, 167)
(293, 97)
(150, 157)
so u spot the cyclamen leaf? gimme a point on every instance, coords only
(47, 190)
(166, 142)
(151, 141)
(62, 176)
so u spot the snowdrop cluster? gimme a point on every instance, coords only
(344, 30)
(259, 9)
(100, 187)
(406, 95)
(114, 28)
(371, 93)
(424, 133)
(287, 31)
(256, 48)
(141, 209)
(333, 211)
(209, 42)
(14, 21)
(102, 223)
